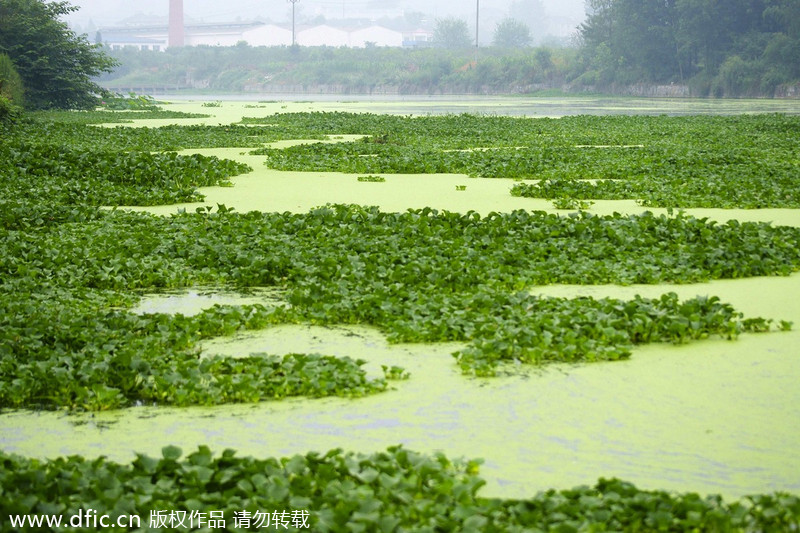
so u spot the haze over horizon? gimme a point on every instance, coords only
(103, 13)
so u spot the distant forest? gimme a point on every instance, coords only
(345, 70)
(719, 48)
(735, 48)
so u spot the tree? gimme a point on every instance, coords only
(626, 41)
(646, 37)
(531, 13)
(735, 47)
(511, 33)
(781, 52)
(451, 33)
(709, 31)
(598, 42)
(56, 64)
(599, 24)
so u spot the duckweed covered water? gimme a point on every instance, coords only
(712, 417)
(234, 106)
(269, 190)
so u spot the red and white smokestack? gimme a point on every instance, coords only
(176, 32)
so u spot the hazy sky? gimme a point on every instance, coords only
(109, 12)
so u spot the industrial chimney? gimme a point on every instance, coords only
(176, 32)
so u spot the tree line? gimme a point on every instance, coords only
(731, 48)
(354, 70)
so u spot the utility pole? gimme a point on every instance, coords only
(294, 34)
(176, 33)
(477, 26)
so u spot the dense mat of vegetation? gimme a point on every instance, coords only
(68, 269)
(697, 161)
(65, 175)
(69, 128)
(58, 158)
(78, 349)
(395, 490)
(70, 273)
(421, 276)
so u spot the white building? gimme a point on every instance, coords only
(218, 34)
(268, 35)
(124, 40)
(323, 35)
(155, 37)
(375, 36)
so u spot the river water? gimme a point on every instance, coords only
(714, 416)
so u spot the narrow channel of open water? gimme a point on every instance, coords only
(269, 190)
(714, 416)
(532, 106)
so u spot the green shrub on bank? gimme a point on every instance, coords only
(11, 92)
(11, 86)
(9, 113)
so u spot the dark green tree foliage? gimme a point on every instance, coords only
(707, 30)
(56, 64)
(629, 40)
(511, 33)
(738, 47)
(782, 17)
(650, 33)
